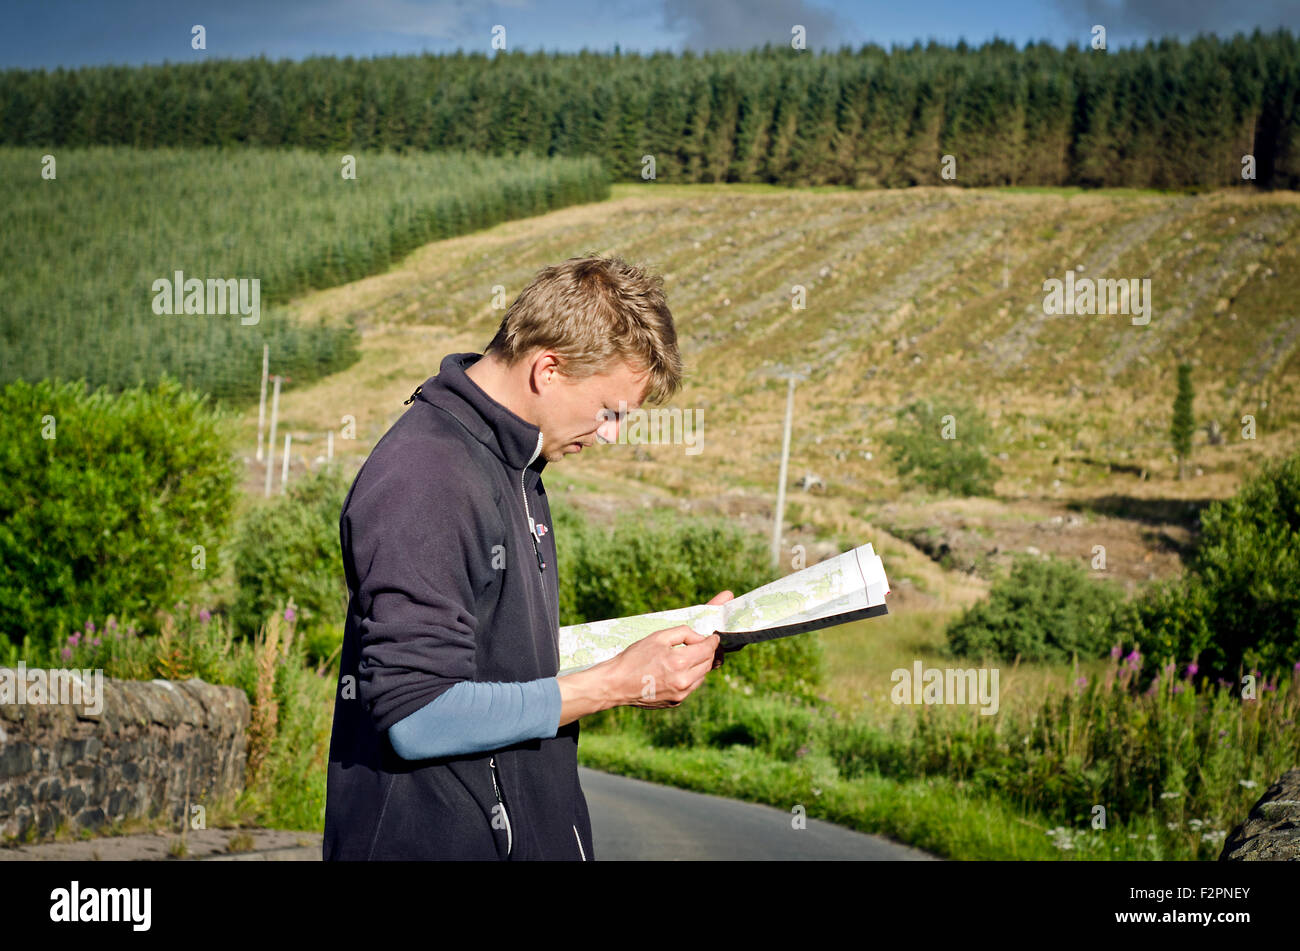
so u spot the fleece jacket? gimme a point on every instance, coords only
(451, 573)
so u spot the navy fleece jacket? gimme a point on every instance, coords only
(445, 590)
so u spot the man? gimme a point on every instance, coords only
(453, 737)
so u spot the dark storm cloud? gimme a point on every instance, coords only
(1184, 18)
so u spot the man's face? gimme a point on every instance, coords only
(578, 413)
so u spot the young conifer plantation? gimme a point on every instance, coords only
(84, 249)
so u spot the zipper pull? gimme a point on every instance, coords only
(532, 533)
(413, 395)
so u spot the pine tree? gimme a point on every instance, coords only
(1184, 423)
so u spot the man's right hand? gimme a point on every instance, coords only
(656, 672)
(663, 669)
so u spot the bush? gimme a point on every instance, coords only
(288, 547)
(1248, 562)
(102, 500)
(923, 451)
(1045, 610)
(655, 562)
(1239, 603)
(1167, 621)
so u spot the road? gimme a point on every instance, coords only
(632, 819)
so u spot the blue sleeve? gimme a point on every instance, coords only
(472, 717)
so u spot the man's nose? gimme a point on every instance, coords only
(607, 431)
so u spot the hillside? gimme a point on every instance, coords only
(926, 292)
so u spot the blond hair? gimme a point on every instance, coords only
(592, 311)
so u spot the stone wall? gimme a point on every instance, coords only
(1271, 831)
(139, 750)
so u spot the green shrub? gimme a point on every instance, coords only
(1248, 561)
(104, 517)
(651, 561)
(722, 713)
(925, 453)
(1045, 610)
(1238, 605)
(1168, 621)
(656, 561)
(288, 547)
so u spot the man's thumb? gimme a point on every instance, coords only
(685, 634)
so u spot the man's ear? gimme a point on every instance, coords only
(544, 369)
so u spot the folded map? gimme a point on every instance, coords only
(848, 587)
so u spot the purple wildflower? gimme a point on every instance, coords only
(73, 639)
(1081, 682)
(1115, 651)
(1192, 668)
(1178, 688)
(90, 626)
(289, 615)
(67, 653)
(95, 642)
(205, 615)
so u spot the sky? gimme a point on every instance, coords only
(70, 33)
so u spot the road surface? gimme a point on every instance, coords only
(635, 820)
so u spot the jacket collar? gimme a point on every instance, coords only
(512, 439)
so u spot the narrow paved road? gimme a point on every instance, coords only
(632, 819)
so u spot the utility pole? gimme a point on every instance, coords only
(270, 443)
(261, 406)
(785, 462)
(284, 472)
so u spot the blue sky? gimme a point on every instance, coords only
(53, 33)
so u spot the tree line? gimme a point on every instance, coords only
(1167, 115)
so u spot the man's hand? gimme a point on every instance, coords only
(665, 668)
(658, 671)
